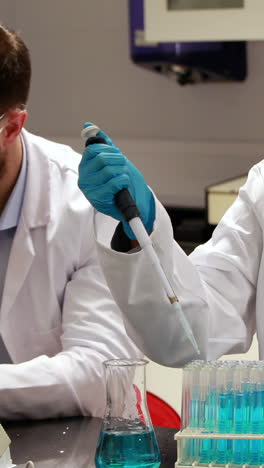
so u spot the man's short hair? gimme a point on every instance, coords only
(15, 70)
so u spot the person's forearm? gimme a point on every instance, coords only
(70, 383)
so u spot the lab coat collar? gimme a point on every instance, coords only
(10, 216)
(37, 203)
(35, 213)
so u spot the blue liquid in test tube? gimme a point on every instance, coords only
(256, 447)
(240, 450)
(190, 410)
(224, 397)
(194, 413)
(207, 413)
(224, 413)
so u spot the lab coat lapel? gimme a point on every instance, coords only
(20, 260)
(35, 213)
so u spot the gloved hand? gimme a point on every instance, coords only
(103, 171)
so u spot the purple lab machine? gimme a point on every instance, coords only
(188, 62)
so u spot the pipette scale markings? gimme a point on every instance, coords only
(89, 133)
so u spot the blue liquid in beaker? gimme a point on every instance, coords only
(127, 450)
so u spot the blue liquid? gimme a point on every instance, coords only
(210, 410)
(225, 420)
(192, 450)
(255, 412)
(206, 451)
(225, 412)
(261, 407)
(256, 448)
(193, 444)
(189, 454)
(241, 425)
(203, 446)
(207, 421)
(127, 450)
(194, 413)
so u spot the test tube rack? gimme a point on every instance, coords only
(222, 415)
(186, 435)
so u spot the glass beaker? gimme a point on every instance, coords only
(127, 438)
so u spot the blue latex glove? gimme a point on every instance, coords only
(103, 171)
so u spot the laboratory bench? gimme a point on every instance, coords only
(69, 442)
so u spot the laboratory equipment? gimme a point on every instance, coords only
(129, 210)
(203, 20)
(222, 414)
(219, 197)
(187, 62)
(127, 438)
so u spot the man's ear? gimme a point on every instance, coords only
(15, 123)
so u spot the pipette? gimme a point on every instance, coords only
(130, 213)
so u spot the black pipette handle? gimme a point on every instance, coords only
(123, 199)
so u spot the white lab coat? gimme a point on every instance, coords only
(220, 285)
(58, 319)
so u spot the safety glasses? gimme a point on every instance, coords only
(21, 107)
(1, 118)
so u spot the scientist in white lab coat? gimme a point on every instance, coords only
(220, 285)
(58, 320)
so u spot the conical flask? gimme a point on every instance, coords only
(127, 438)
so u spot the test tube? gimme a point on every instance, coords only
(207, 412)
(190, 411)
(240, 447)
(223, 397)
(261, 410)
(254, 413)
(224, 411)
(194, 397)
(256, 447)
(196, 408)
(186, 395)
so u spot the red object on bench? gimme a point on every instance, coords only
(161, 413)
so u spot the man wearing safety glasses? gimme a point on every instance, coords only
(58, 321)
